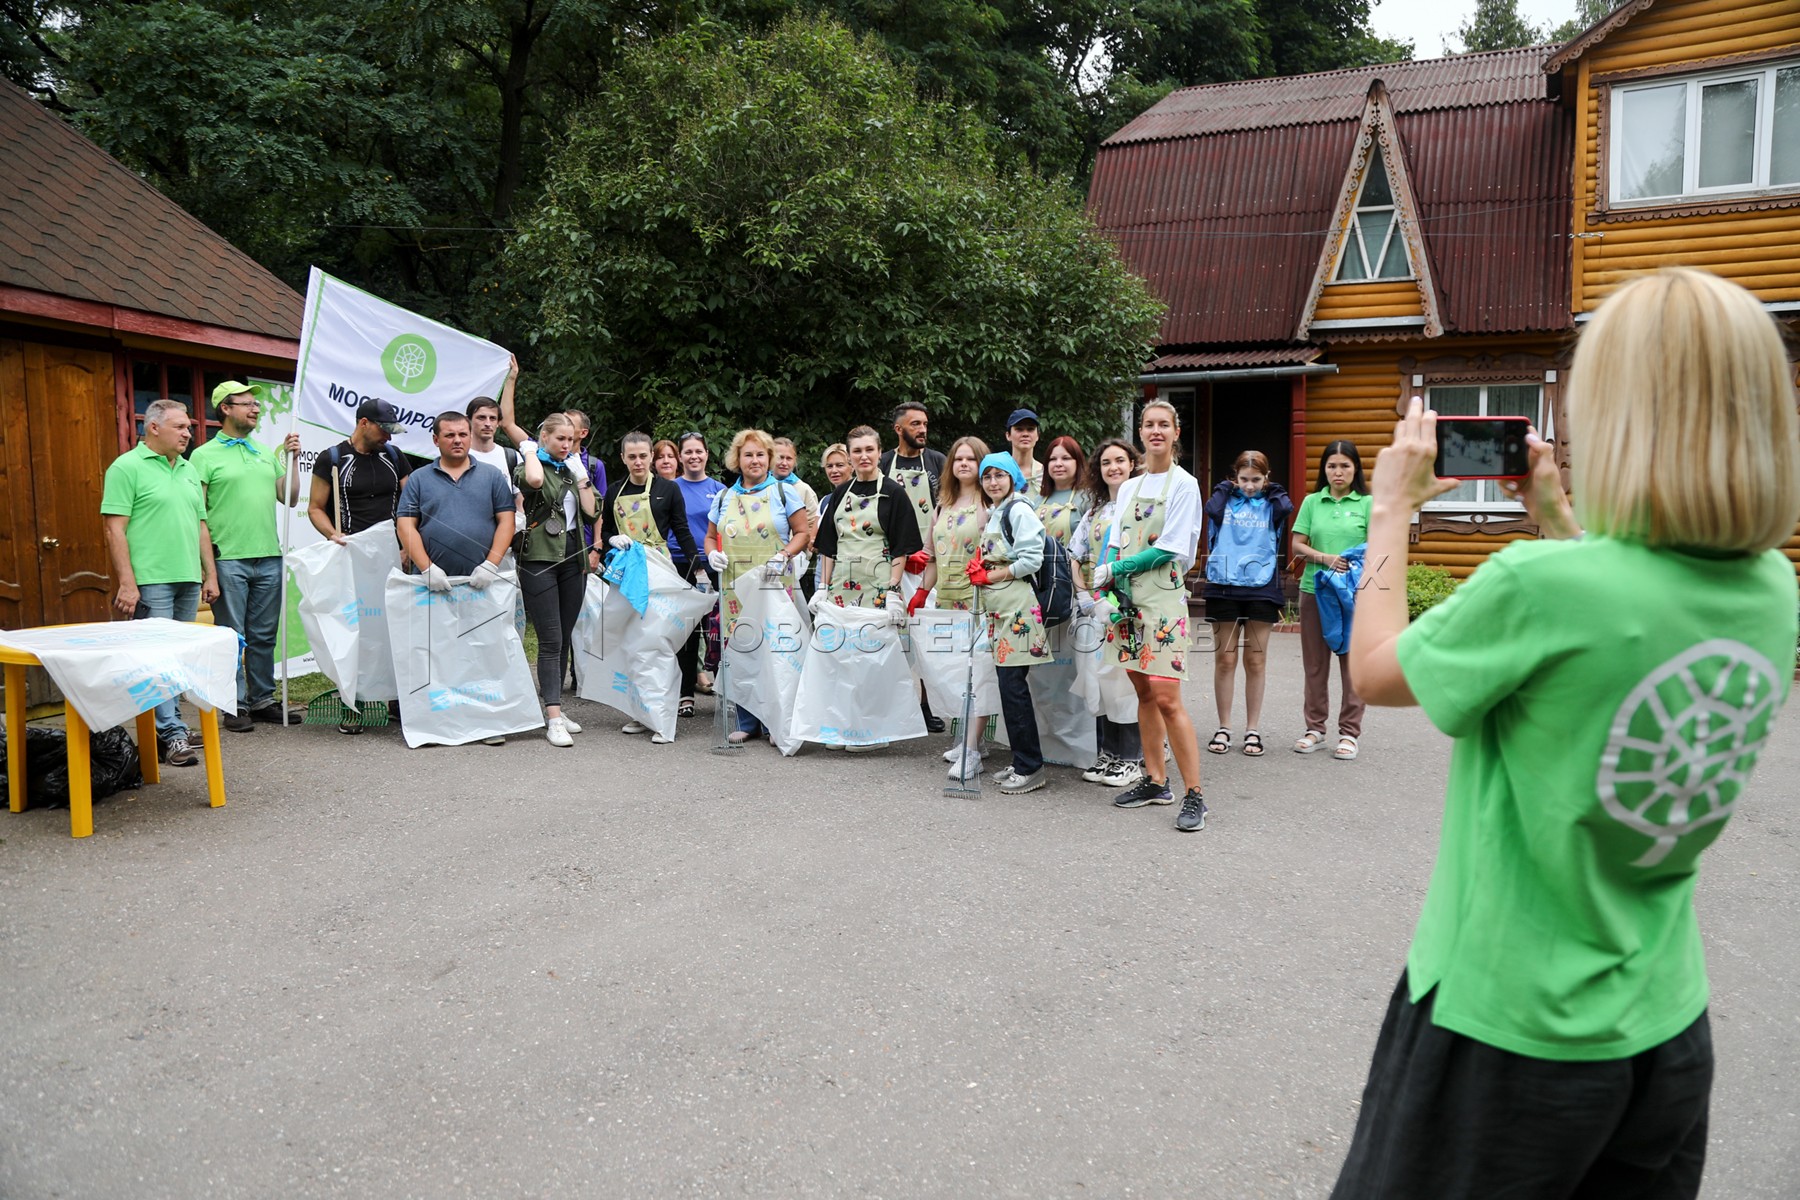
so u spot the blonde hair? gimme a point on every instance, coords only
(834, 448)
(555, 420)
(748, 435)
(1681, 413)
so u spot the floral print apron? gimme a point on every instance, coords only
(862, 566)
(1015, 622)
(631, 512)
(917, 482)
(1062, 516)
(751, 538)
(954, 536)
(1154, 641)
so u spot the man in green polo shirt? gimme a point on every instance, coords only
(242, 480)
(161, 552)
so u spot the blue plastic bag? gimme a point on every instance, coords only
(628, 571)
(1335, 592)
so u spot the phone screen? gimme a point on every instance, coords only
(1482, 448)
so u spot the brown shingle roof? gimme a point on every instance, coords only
(76, 222)
(1461, 81)
(1228, 222)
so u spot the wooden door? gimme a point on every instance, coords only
(20, 604)
(74, 438)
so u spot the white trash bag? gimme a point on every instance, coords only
(459, 661)
(939, 643)
(1100, 678)
(627, 662)
(1066, 733)
(766, 652)
(855, 686)
(343, 608)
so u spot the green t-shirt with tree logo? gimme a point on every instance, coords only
(1608, 702)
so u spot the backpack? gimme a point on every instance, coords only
(1054, 583)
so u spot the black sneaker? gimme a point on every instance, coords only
(238, 722)
(1193, 812)
(1144, 791)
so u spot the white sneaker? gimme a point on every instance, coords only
(1003, 774)
(864, 749)
(965, 768)
(557, 733)
(657, 739)
(1102, 765)
(1122, 774)
(634, 727)
(955, 751)
(570, 725)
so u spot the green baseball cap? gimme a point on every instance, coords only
(227, 390)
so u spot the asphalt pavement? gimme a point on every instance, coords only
(637, 970)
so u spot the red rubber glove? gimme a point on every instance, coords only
(916, 603)
(917, 562)
(977, 573)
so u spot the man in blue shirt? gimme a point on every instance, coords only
(456, 516)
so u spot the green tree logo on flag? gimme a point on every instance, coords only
(410, 363)
(1685, 741)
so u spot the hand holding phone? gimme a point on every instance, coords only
(1482, 448)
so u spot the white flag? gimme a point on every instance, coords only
(356, 347)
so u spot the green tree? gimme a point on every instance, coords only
(780, 231)
(1587, 14)
(1497, 25)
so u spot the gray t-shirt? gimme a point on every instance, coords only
(456, 516)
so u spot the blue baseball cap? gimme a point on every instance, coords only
(1021, 414)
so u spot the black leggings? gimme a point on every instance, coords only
(553, 593)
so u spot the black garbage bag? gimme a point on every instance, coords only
(45, 751)
(113, 759)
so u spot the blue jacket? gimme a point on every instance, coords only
(1245, 538)
(1336, 596)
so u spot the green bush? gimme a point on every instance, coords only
(1426, 586)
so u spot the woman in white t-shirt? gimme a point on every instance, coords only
(1155, 535)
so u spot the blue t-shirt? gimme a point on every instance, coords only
(456, 516)
(697, 495)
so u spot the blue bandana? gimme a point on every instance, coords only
(246, 443)
(544, 457)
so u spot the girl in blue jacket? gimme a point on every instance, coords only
(1246, 521)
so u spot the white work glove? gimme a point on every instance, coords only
(820, 599)
(896, 607)
(619, 541)
(718, 560)
(1084, 602)
(798, 562)
(435, 579)
(577, 468)
(528, 449)
(1102, 576)
(774, 567)
(484, 574)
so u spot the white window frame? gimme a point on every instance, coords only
(1485, 487)
(1763, 136)
(1377, 162)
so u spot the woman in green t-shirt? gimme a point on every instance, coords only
(1609, 695)
(1331, 520)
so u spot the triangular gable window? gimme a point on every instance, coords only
(1373, 247)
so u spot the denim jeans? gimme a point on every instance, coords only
(250, 602)
(1021, 720)
(178, 602)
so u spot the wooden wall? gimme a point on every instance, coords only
(1758, 249)
(1365, 301)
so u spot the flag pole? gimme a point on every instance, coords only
(313, 291)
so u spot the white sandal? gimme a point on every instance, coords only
(1346, 749)
(1309, 741)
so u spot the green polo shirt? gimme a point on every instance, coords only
(240, 497)
(1331, 526)
(163, 501)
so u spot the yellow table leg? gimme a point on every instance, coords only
(215, 762)
(148, 761)
(81, 775)
(15, 737)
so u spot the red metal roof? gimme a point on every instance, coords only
(1461, 81)
(76, 222)
(1228, 224)
(1285, 356)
